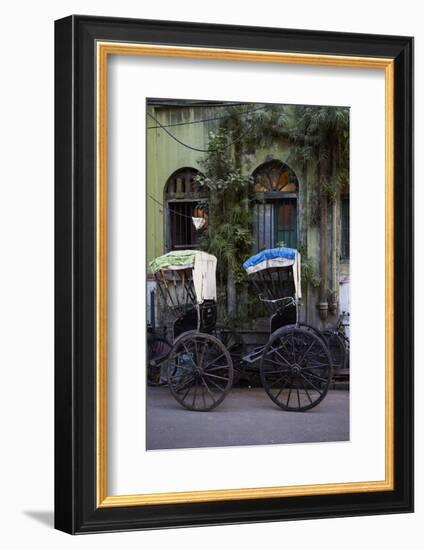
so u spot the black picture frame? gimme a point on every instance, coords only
(76, 508)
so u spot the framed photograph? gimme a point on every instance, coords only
(234, 274)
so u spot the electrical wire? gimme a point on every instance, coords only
(165, 207)
(206, 119)
(189, 146)
(169, 209)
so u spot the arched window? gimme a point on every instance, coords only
(276, 187)
(183, 200)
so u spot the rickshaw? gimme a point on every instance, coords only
(295, 365)
(199, 365)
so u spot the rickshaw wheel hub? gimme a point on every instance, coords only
(296, 369)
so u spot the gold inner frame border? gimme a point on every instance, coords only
(103, 50)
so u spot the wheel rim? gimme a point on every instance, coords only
(200, 371)
(296, 369)
(158, 349)
(337, 349)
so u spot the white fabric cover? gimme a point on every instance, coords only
(204, 276)
(280, 263)
(297, 277)
(267, 264)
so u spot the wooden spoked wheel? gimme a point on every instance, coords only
(200, 371)
(296, 368)
(337, 349)
(158, 349)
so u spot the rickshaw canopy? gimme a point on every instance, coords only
(272, 258)
(201, 264)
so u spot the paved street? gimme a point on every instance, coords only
(245, 417)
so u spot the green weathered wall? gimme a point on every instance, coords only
(165, 156)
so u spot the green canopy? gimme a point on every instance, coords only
(202, 264)
(174, 260)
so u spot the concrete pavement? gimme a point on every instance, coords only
(247, 416)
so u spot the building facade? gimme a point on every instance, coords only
(177, 134)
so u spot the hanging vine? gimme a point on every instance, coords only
(317, 139)
(229, 232)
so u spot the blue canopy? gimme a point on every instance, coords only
(271, 254)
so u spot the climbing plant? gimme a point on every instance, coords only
(317, 136)
(309, 267)
(317, 139)
(228, 235)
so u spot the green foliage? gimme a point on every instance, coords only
(310, 271)
(229, 234)
(318, 137)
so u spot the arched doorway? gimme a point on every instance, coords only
(275, 206)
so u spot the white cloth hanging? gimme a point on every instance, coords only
(198, 223)
(204, 276)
